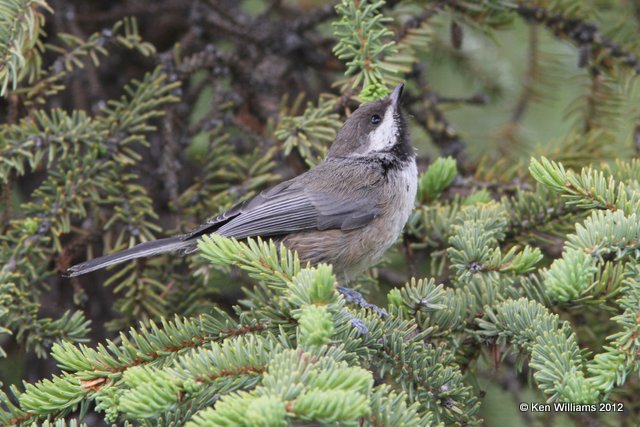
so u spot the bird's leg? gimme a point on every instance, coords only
(356, 298)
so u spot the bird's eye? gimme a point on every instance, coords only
(375, 119)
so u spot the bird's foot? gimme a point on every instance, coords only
(360, 326)
(356, 298)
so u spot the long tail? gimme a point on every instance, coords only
(145, 249)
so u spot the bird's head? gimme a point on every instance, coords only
(373, 128)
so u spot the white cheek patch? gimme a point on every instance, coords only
(384, 136)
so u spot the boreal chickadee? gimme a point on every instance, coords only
(346, 211)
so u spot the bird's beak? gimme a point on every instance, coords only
(395, 96)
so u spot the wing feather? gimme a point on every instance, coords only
(294, 210)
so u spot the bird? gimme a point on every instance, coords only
(346, 211)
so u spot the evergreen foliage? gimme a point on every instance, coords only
(522, 254)
(22, 22)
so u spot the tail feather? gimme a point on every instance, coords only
(145, 249)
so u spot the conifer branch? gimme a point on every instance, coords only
(80, 169)
(361, 42)
(22, 21)
(310, 133)
(75, 51)
(591, 189)
(589, 39)
(246, 335)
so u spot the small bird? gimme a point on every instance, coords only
(346, 211)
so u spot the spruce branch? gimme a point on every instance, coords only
(604, 236)
(81, 152)
(599, 108)
(226, 178)
(362, 42)
(289, 345)
(624, 170)
(260, 259)
(555, 354)
(621, 357)
(474, 245)
(328, 391)
(436, 179)
(223, 368)
(412, 39)
(535, 214)
(570, 276)
(567, 20)
(21, 22)
(389, 408)
(597, 47)
(150, 344)
(591, 189)
(62, 393)
(10, 412)
(95, 373)
(428, 374)
(310, 133)
(45, 138)
(434, 121)
(73, 53)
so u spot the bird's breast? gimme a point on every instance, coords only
(398, 202)
(402, 186)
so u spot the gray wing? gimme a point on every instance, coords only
(284, 209)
